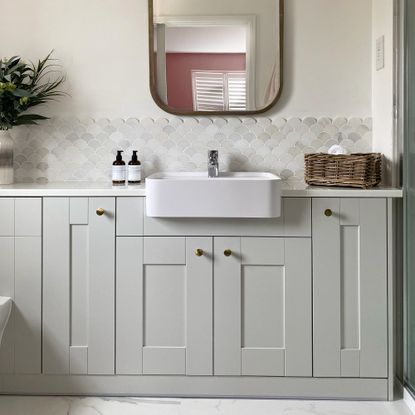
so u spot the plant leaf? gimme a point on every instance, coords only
(21, 93)
(32, 117)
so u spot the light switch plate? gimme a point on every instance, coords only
(380, 53)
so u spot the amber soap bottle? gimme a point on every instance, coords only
(118, 170)
(134, 170)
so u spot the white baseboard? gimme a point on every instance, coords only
(409, 400)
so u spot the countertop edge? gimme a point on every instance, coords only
(71, 193)
(344, 192)
(22, 190)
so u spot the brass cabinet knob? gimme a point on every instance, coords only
(328, 212)
(100, 211)
(199, 252)
(227, 252)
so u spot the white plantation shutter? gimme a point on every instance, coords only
(219, 91)
(236, 91)
(208, 91)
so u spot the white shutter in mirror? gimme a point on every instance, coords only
(208, 91)
(236, 91)
(219, 91)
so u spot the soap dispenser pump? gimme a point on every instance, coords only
(118, 169)
(134, 169)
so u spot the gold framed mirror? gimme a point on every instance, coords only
(216, 57)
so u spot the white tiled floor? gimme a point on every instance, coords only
(10, 405)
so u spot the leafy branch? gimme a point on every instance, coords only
(23, 86)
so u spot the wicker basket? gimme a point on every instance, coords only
(355, 170)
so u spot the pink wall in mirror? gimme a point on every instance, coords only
(179, 68)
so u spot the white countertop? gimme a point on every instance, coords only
(96, 189)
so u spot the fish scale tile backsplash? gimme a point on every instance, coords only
(64, 149)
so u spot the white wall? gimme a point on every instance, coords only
(102, 45)
(383, 87)
(220, 39)
(327, 57)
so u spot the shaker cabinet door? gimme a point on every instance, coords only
(164, 306)
(350, 287)
(262, 307)
(78, 285)
(21, 279)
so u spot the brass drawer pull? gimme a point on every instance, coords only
(100, 211)
(328, 212)
(227, 252)
(199, 252)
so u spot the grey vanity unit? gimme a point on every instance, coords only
(110, 301)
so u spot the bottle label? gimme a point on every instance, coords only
(134, 173)
(118, 173)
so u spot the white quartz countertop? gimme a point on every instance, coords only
(96, 189)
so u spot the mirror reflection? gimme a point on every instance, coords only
(217, 56)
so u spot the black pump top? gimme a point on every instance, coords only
(134, 156)
(119, 155)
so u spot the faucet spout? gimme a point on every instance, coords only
(213, 163)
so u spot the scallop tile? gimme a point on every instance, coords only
(248, 121)
(340, 122)
(331, 130)
(264, 137)
(220, 122)
(257, 129)
(234, 122)
(324, 121)
(294, 122)
(264, 121)
(309, 121)
(279, 122)
(355, 122)
(355, 137)
(324, 137)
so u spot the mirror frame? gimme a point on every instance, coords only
(165, 107)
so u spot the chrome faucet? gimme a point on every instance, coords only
(213, 163)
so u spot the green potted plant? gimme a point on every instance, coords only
(22, 87)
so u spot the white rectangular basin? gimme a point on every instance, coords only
(231, 195)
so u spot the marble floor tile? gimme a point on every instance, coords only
(11, 405)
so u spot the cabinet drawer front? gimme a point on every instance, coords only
(295, 221)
